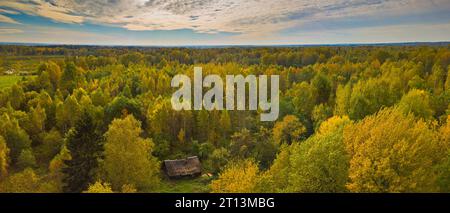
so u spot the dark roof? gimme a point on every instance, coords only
(182, 167)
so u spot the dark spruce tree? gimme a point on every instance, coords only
(85, 145)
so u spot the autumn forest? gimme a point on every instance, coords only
(99, 119)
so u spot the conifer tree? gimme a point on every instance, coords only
(85, 146)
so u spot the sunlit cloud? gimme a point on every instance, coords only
(44, 9)
(10, 31)
(8, 11)
(213, 15)
(249, 20)
(58, 36)
(6, 19)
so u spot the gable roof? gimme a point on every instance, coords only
(190, 166)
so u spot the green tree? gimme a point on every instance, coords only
(26, 159)
(242, 144)
(225, 124)
(276, 178)
(26, 181)
(67, 113)
(437, 78)
(320, 113)
(17, 96)
(218, 159)
(56, 166)
(444, 168)
(322, 85)
(370, 96)
(69, 77)
(343, 94)
(447, 80)
(55, 74)
(393, 152)
(35, 124)
(319, 164)
(289, 130)
(128, 158)
(16, 138)
(303, 98)
(85, 147)
(265, 149)
(52, 143)
(418, 103)
(122, 105)
(43, 81)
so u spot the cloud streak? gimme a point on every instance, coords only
(44, 9)
(6, 19)
(236, 16)
(250, 19)
(10, 31)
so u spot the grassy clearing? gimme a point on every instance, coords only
(197, 185)
(9, 80)
(27, 64)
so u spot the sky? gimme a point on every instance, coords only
(223, 22)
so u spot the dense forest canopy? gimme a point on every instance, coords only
(99, 119)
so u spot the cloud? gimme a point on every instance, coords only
(44, 9)
(6, 19)
(10, 31)
(376, 34)
(8, 11)
(54, 35)
(250, 18)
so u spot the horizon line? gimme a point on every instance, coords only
(406, 43)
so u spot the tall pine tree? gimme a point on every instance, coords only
(85, 146)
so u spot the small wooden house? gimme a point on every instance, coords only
(9, 72)
(189, 167)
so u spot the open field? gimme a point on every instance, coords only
(26, 64)
(197, 185)
(7, 80)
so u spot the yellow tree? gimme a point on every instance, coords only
(128, 158)
(276, 179)
(99, 187)
(56, 165)
(318, 164)
(393, 152)
(417, 102)
(444, 168)
(237, 177)
(289, 130)
(4, 153)
(26, 181)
